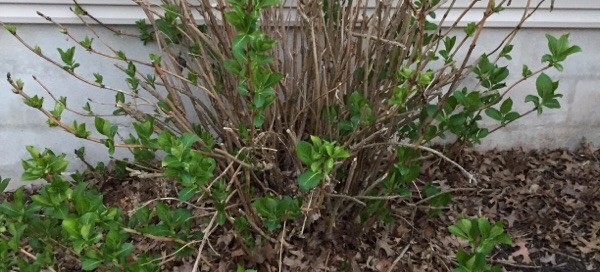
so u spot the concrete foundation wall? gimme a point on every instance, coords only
(20, 125)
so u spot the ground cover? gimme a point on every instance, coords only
(549, 201)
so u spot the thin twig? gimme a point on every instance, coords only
(471, 177)
(353, 198)
(447, 192)
(516, 264)
(397, 260)
(282, 239)
(207, 231)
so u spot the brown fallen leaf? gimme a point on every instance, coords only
(522, 251)
(590, 246)
(549, 259)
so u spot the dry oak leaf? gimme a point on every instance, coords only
(522, 251)
(590, 246)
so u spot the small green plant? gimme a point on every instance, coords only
(320, 157)
(67, 58)
(274, 211)
(483, 237)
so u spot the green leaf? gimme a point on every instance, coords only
(267, 207)
(11, 29)
(188, 139)
(89, 264)
(558, 67)
(258, 120)
(484, 227)
(131, 69)
(494, 114)
(309, 180)
(87, 43)
(526, 72)
(238, 46)
(98, 78)
(304, 152)
(544, 86)
(438, 201)
(3, 184)
(552, 45)
(233, 66)
(340, 153)
(511, 116)
(532, 98)
(34, 101)
(506, 51)
(124, 250)
(85, 231)
(506, 106)
(71, 225)
(572, 50)
(273, 79)
(121, 55)
(41, 200)
(9, 210)
(186, 194)
(465, 225)
(470, 29)
(552, 104)
(456, 231)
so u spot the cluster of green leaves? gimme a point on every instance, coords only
(61, 214)
(320, 157)
(146, 32)
(547, 96)
(460, 113)
(35, 102)
(174, 223)
(190, 167)
(356, 113)
(401, 174)
(168, 24)
(410, 82)
(132, 80)
(276, 210)
(59, 108)
(67, 57)
(87, 43)
(109, 130)
(559, 51)
(491, 76)
(359, 113)
(11, 29)
(72, 215)
(504, 115)
(482, 237)
(145, 154)
(43, 165)
(250, 62)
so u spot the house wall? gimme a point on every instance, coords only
(20, 126)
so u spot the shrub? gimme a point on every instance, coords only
(267, 120)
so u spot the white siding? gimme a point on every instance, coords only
(567, 13)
